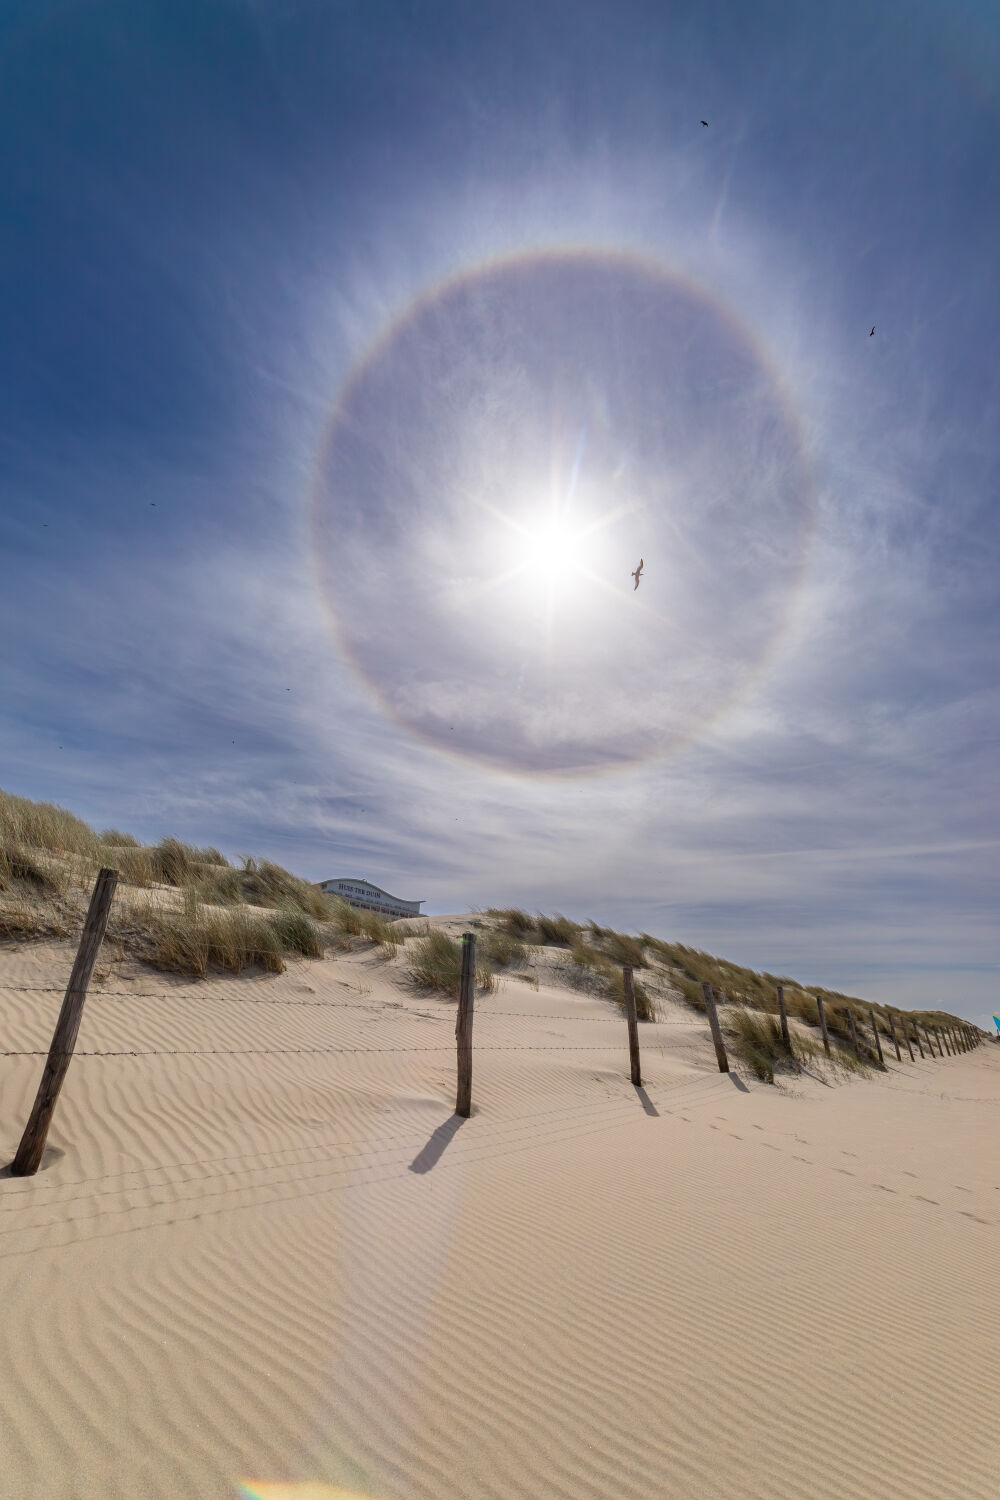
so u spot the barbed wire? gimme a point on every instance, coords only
(480, 1014)
(275, 1051)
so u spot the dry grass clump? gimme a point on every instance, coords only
(619, 947)
(219, 885)
(437, 964)
(198, 938)
(501, 949)
(351, 921)
(44, 825)
(645, 1007)
(611, 980)
(133, 862)
(267, 884)
(114, 838)
(556, 931)
(22, 869)
(511, 920)
(297, 932)
(757, 1041)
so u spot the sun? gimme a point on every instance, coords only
(553, 552)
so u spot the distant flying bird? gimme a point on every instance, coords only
(637, 575)
(705, 123)
(872, 334)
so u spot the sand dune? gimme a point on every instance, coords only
(263, 1252)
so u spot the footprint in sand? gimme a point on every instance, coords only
(803, 1158)
(843, 1171)
(966, 1215)
(921, 1199)
(734, 1136)
(770, 1147)
(882, 1187)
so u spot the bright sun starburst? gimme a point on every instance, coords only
(553, 551)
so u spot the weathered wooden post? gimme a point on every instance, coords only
(878, 1039)
(29, 1152)
(463, 1024)
(932, 1035)
(713, 1021)
(916, 1037)
(854, 1033)
(784, 1017)
(906, 1038)
(892, 1033)
(822, 1025)
(633, 1025)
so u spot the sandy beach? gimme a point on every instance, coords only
(263, 1251)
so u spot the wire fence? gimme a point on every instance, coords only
(63, 1045)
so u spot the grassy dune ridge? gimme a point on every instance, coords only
(188, 910)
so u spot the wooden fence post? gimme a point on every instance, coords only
(713, 1021)
(463, 1025)
(29, 1152)
(854, 1033)
(878, 1039)
(895, 1039)
(906, 1037)
(784, 1017)
(822, 1025)
(932, 1036)
(916, 1036)
(947, 1041)
(633, 1025)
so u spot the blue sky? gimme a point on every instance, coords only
(275, 500)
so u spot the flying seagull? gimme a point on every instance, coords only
(637, 575)
(705, 123)
(872, 334)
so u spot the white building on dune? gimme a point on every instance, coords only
(368, 897)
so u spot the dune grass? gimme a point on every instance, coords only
(501, 949)
(198, 938)
(557, 931)
(49, 856)
(436, 963)
(757, 1041)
